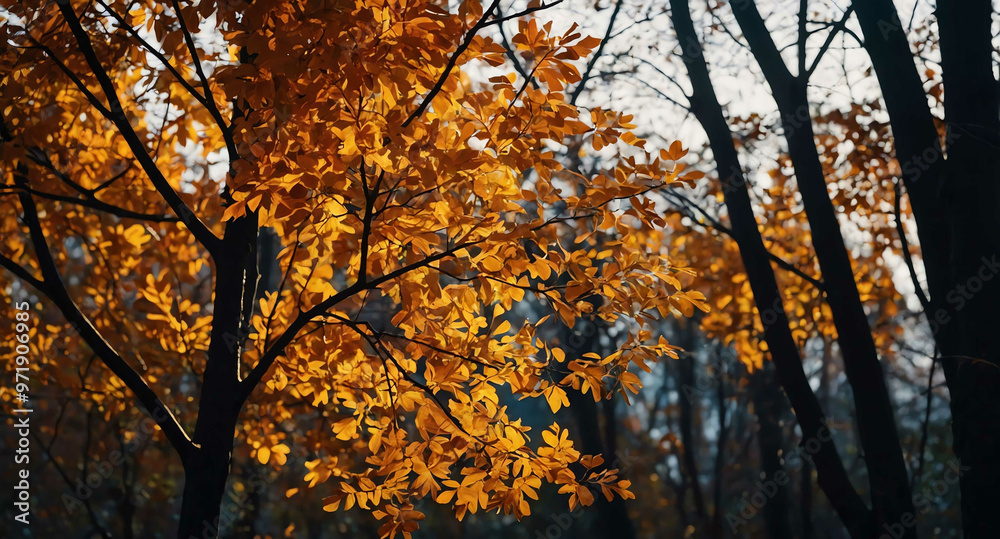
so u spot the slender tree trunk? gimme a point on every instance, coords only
(720, 448)
(126, 507)
(887, 474)
(613, 517)
(687, 398)
(705, 105)
(805, 499)
(679, 489)
(768, 406)
(616, 512)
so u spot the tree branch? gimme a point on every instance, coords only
(52, 286)
(117, 115)
(905, 245)
(278, 348)
(803, 35)
(500, 20)
(209, 103)
(21, 272)
(483, 23)
(597, 55)
(837, 28)
(123, 24)
(94, 204)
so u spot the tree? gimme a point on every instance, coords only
(148, 146)
(957, 238)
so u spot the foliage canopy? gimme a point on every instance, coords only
(413, 187)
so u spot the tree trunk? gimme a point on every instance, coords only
(687, 397)
(616, 512)
(613, 518)
(207, 467)
(720, 447)
(768, 406)
(887, 474)
(805, 500)
(971, 355)
(679, 489)
(954, 202)
(832, 476)
(205, 475)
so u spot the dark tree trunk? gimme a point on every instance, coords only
(955, 203)
(613, 518)
(679, 489)
(687, 397)
(207, 467)
(971, 353)
(887, 474)
(805, 500)
(832, 477)
(205, 476)
(126, 507)
(768, 406)
(720, 448)
(616, 512)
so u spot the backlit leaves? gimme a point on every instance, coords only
(410, 179)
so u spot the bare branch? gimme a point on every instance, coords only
(209, 103)
(597, 55)
(500, 20)
(905, 245)
(837, 28)
(123, 24)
